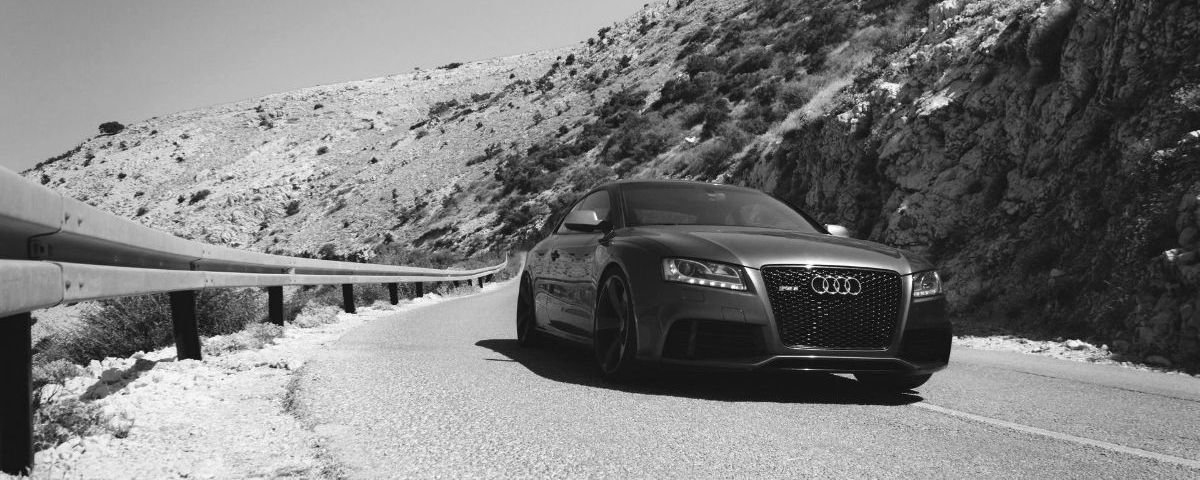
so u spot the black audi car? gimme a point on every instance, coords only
(698, 275)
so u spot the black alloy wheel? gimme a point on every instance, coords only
(527, 335)
(614, 339)
(892, 382)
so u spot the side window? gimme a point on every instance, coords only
(597, 201)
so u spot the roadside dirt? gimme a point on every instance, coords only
(223, 417)
(1067, 349)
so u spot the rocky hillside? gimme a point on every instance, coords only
(1042, 152)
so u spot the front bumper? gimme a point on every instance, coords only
(703, 328)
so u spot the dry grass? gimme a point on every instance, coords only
(253, 337)
(316, 314)
(121, 327)
(58, 420)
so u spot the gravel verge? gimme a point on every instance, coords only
(224, 417)
(1071, 349)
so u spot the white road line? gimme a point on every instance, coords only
(1062, 436)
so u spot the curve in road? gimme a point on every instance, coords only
(444, 390)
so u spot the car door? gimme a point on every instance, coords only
(577, 252)
(544, 282)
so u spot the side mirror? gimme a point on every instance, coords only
(586, 221)
(838, 231)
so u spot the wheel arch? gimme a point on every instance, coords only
(641, 267)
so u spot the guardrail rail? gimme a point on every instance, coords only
(57, 250)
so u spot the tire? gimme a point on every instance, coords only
(614, 335)
(892, 382)
(527, 333)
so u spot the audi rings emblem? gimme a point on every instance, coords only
(835, 285)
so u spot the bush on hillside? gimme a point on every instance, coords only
(708, 159)
(199, 195)
(526, 174)
(712, 113)
(688, 89)
(111, 128)
(489, 153)
(442, 107)
(750, 59)
(637, 141)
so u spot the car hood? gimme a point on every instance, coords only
(757, 247)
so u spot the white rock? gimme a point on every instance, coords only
(1078, 345)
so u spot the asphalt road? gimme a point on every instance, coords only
(444, 391)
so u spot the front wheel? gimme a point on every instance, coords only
(614, 338)
(527, 335)
(892, 382)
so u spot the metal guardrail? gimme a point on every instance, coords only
(55, 250)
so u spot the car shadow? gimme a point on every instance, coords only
(565, 363)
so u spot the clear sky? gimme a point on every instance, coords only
(68, 66)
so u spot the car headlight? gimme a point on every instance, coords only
(709, 274)
(926, 284)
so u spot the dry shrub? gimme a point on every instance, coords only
(368, 293)
(57, 371)
(55, 422)
(123, 326)
(329, 295)
(315, 315)
(253, 337)
(58, 420)
(462, 289)
(708, 158)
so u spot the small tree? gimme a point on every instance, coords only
(111, 128)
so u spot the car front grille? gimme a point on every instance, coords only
(807, 319)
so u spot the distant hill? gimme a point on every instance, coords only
(1042, 152)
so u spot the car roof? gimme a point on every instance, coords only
(640, 182)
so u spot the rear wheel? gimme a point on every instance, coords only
(527, 335)
(614, 339)
(892, 382)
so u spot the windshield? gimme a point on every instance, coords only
(685, 204)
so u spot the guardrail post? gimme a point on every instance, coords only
(348, 298)
(275, 305)
(16, 395)
(480, 282)
(394, 292)
(420, 289)
(183, 315)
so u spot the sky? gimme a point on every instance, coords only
(68, 66)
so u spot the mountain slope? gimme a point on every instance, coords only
(1042, 152)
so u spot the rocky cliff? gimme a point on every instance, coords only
(1042, 152)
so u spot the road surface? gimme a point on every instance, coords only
(444, 391)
